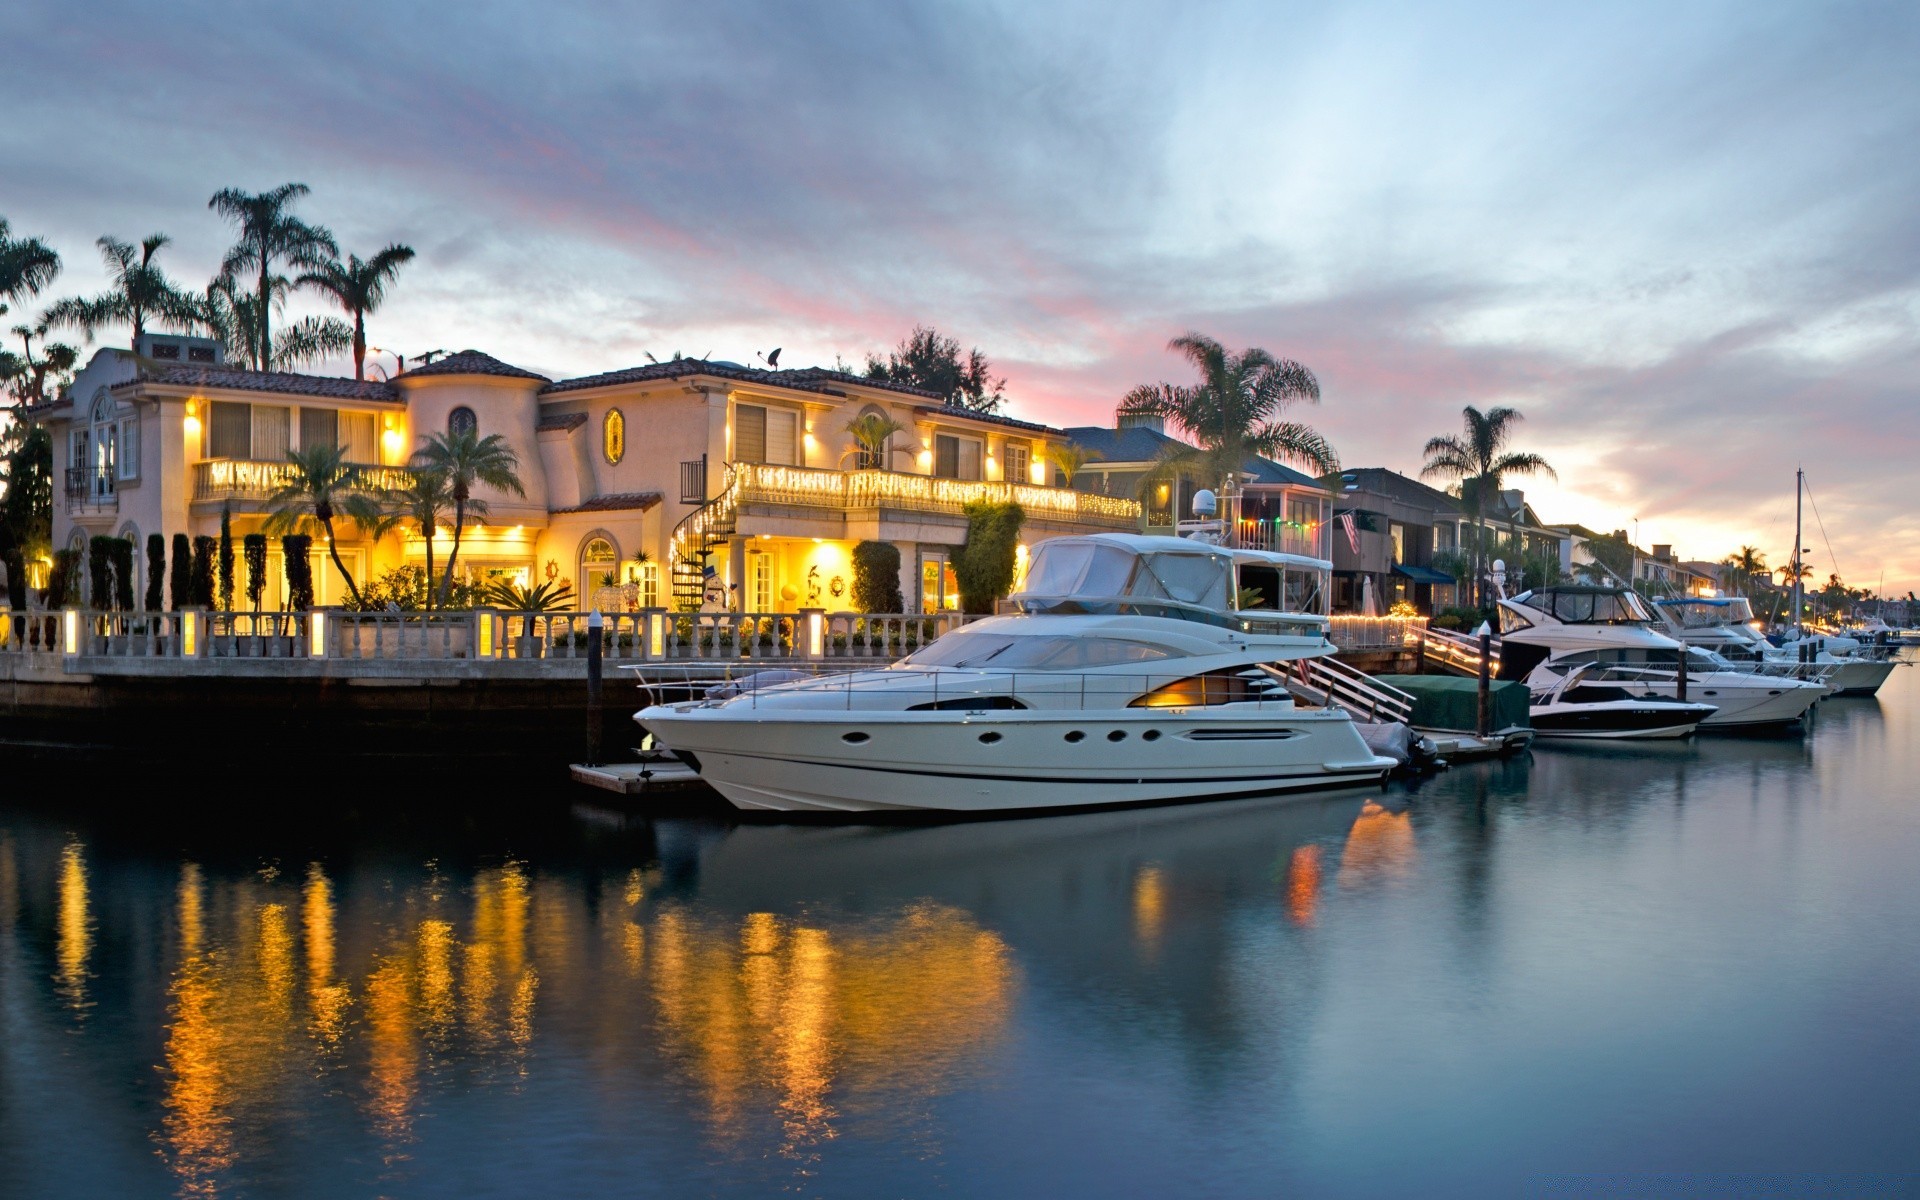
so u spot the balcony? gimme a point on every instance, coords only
(91, 489)
(254, 479)
(802, 487)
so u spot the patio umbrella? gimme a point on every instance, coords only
(1369, 603)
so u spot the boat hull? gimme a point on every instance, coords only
(927, 762)
(1740, 701)
(1859, 677)
(1618, 719)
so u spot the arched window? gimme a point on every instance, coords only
(613, 436)
(462, 420)
(599, 562)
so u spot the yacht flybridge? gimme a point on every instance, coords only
(1129, 675)
(1608, 633)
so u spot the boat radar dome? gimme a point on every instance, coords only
(1204, 504)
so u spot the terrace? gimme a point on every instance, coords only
(804, 487)
(222, 479)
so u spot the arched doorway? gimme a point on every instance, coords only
(599, 567)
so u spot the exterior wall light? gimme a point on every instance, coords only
(656, 635)
(189, 634)
(816, 633)
(317, 633)
(70, 631)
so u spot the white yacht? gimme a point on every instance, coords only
(1567, 706)
(1548, 632)
(1128, 676)
(1724, 625)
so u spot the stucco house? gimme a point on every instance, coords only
(673, 484)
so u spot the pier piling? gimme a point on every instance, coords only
(595, 623)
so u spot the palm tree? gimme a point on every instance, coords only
(236, 316)
(358, 288)
(28, 373)
(1747, 564)
(421, 504)
(27, 265)
(269, 233)
(871, 432)
(139, 291)
(1231, 414)
(1069, 458)
(464, 459)
(1479, 460)
(319, 485)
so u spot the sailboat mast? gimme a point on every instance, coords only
(1799, 487)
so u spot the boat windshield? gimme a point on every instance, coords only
(1068, 568)
(1590, 608)
(1706, 614)
(1051, 652)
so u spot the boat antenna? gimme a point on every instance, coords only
(1799, 486)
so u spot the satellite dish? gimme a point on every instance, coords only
(773, 360)
(1204, 504)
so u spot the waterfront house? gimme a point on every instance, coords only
(688, 481)
(1388, 530)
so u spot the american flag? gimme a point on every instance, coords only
(1353, 534)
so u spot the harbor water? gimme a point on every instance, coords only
(1685, 968)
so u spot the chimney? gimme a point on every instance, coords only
(1621, 534)
(1663, 552)
(1141, 421)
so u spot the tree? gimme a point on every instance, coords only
(236, 317)
(1614, 555)
(465, 459)
(269, 233)
(320, 485)
(421, 504)
(35, 378)
(1068, 458)
(876, 578)
(27, 266)
(26, 508)
(1744, 566)
(1478, 458)
(180, 578)
(200, 577)
(253, 548)
(1231, 415)
(225, 563)
(933, 363)
(871, 433)
(983, 567)
(358, 288)
(138, 292)
(156, 571)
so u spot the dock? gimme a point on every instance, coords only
(637, 778)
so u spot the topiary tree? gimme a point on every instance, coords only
(156, 571)
(254, 548)
(99, 571)
(63, 581)
(983, 568)
(876, 578)
(120, 558)
(299, 570)
(200, 583)
(180, 578)
(226, 559)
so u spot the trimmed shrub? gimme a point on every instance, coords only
(294, 547)
(180, 577)
(100, 571)
(226, 560)
(63, 581)
(254, 548)
(983, 568)
(876, 578)
(156, 571)
(200, 584)
(120, 558)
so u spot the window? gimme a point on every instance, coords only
(939, 590)
(598, 562)
(128, 462)
(963, 648)
(230, 430)
(169, 351)
(956, 457)
(462, 420)
(200, 354)
(319, 427)
(613, 436)
(356, 437)
(765, 435)
(649, 585)
(760, 582)
(1019, 456)
(271, 429)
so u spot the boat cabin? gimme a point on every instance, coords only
(1177, 577)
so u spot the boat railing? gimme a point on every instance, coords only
(1364, 697)
(1351, 632)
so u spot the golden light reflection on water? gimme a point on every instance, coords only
(280, 995)
(1303, 884)
(1149, 905)
(1379, 847)
(74, 927)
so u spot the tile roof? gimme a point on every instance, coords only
(1144, 444)
(282, 382)
(616, 502)
(471, 362)
(552, 421)
(1392, 484)
(955, 412)
(806, 379)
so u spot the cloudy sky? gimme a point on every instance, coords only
(1683, 239)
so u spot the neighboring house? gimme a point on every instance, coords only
(1398, 526)
(1279, 507)
(638, 481)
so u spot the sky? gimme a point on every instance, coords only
(1682, 239)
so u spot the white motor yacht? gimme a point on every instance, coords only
(1570, 707)
(1128, 676)
(1723, 624)
(1548, 632)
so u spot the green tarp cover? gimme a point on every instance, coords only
(1451, 702)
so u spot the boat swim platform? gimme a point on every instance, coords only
(637, 778)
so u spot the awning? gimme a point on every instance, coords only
(1422, 574)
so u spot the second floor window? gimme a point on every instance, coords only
(765, 435)
(613, 436)
(462, 420)
(1018, 459)
(956, 457)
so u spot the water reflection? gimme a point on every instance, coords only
(75, 927)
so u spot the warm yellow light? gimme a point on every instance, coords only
(656, 635)
(317, 633)
(70, 631)
(189, 635)
(816, 635)
(926, 460)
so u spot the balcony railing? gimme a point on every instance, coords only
(91, 488)
(765, 483)
(254, 479)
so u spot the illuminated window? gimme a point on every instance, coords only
(462, 420)
(613, 436)
(1019, 455)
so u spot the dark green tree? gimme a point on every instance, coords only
(27, 265)
(294, 549)
(320, 486)
(1478, 457)
(465, 460)
(156, 571)
(137, 292)
(876, 578)
(26, 508)
(180, 578)
(120, 557)
(200, 585)
(983, 567)
(100, 571)
(226, 559)
(933, 363)
(254, 548)
(268, 234)
(358, 288)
